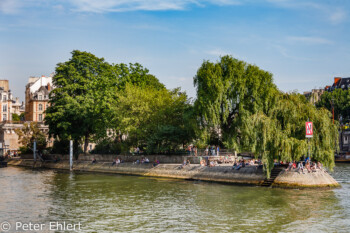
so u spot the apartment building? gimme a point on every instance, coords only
(17, 107)
(37, 98)
(5, 101)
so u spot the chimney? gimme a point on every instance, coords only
(336, 79)
(48, 87)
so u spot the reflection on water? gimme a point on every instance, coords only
(110, 203)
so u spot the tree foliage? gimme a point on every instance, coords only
(157, 119)
(81, 101)
(242, 103)
(88, 92)
(15, 117)
(29, 133)
(340, 99)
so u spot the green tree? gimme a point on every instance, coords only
(340, 99)
(136, 75)
(86, 93)
(15, 117)
(29, 133)
(241, 103)
(81, 102)
(157, 119)
(226, 88)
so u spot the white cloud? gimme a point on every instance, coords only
(337, 16)
(330, 12)
(9, 6)
(99, 6)
(217, 52)
(309, 40)
(15, 6)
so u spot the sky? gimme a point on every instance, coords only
(303, 43)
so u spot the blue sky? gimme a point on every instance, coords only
(303, 43)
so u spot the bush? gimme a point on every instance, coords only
(108, 146)
(25, 150)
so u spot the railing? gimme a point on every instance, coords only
(13, 122)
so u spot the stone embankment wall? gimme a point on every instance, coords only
(248, 175)
(126, 158)
(292, 179)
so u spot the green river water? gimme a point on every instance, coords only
(113, 203)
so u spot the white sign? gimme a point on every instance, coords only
(309, 129)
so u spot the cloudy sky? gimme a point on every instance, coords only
(303, 43)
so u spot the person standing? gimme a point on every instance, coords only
(217, 150)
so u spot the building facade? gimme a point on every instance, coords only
(37, 98)
(314, 95)
(8, 104)
(343, 83)
(17, 107)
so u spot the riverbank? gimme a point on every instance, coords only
(249, 175)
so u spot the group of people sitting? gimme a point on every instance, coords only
(243, 163)
(306, 165)
(212, 163)
(142, 161)
(185, 163)
(145, 160)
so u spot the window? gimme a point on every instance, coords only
(40, 117)
(40, 107)
(40, 97)
(4, 108)
(4, 98)
(4, 117)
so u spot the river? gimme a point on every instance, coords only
(115, 203)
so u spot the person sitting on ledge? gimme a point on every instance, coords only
(146, 160)
(183, 164)
(234, 165)
(212, 164)
(114, 162)
(290, 165)
(307, 166)
(239, 165)
(137, 162)
(300, 167)
(94, 160)
(156, 162)
(313, 167)
(319, 166)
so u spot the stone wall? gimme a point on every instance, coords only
(169, 159)
(319, 178)
(248, 175)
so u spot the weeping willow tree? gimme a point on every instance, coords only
(244, 105)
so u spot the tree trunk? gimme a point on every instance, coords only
(86, 143)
